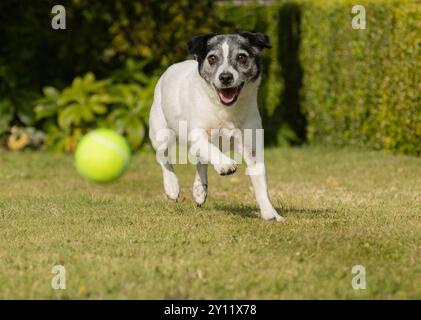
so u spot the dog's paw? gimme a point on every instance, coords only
(271, 214)
(226, 168)
(200, 192)
(171, 187)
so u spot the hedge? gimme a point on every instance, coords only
(362, 87)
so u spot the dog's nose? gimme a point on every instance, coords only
(226, 77)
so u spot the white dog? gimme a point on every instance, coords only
(217, 90)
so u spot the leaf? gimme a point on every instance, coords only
(135, 132)
(100, 98)
(68, 95)
(51, 93)
(99, 108)
(117, 113)
(141, 77)
(70, 116)
(85, 112)
(89, 78)
(45, 110)
(26, 115)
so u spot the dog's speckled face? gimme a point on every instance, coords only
(229, 62)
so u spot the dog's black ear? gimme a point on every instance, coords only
(258, 40)
(197, 45)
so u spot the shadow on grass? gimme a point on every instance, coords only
(306, 211)
(247, 211)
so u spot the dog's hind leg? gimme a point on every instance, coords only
(163, 140)
(171, 187)
(164, 146)
(200, 184)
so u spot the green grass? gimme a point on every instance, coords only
(125, 240)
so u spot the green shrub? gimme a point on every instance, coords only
(89, 103)
(362, 87)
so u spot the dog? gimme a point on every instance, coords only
(218, 89)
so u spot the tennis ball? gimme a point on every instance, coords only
(102, 155)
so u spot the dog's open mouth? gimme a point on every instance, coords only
(228, 96)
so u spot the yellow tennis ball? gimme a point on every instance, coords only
(102, 155)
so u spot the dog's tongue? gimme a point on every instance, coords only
(227, 95)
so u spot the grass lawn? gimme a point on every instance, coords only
(344, 207)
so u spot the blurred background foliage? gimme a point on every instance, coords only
(323, 81)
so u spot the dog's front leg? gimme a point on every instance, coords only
(257, 171)
(200, 184)
(206, 152)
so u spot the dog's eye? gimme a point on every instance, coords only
(212, 59)
(242, 58)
